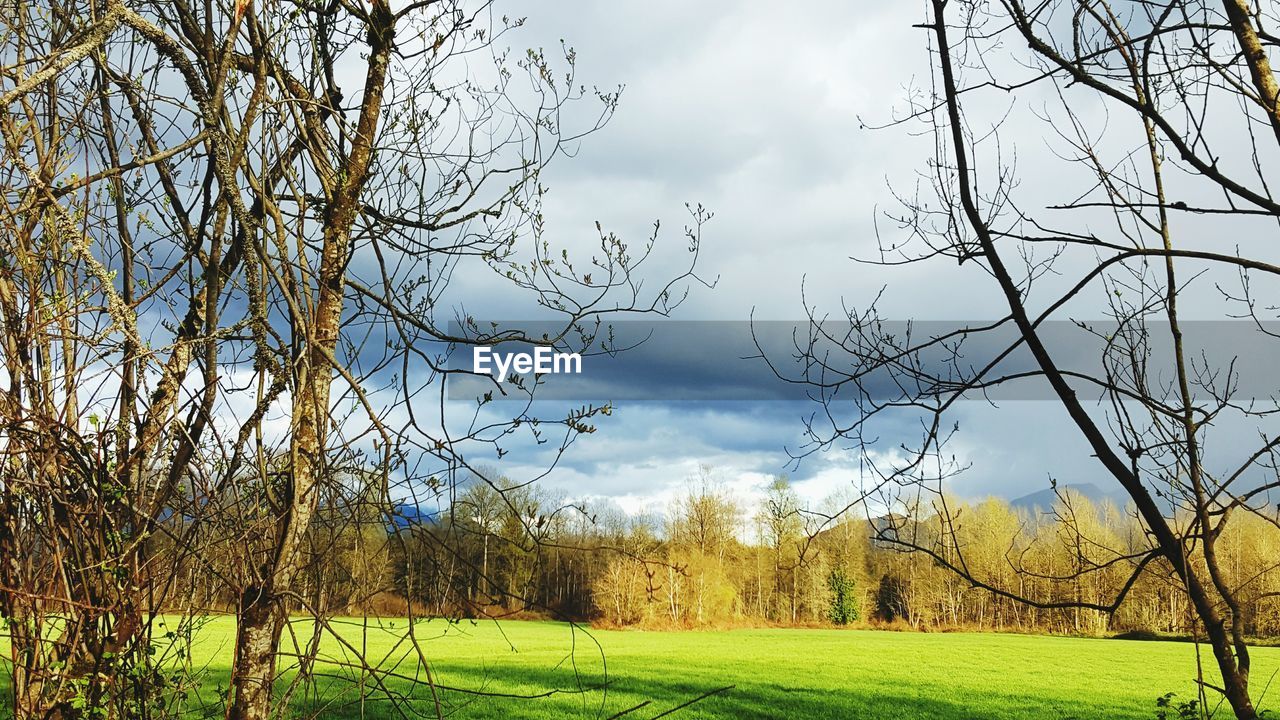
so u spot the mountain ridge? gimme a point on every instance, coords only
(1043, 500)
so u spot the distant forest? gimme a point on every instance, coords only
(500, 550)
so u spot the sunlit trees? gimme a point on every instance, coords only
(782, 524)
(597, 563)
(621, 593)
(702, 529)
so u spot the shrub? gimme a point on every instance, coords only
(844, 597)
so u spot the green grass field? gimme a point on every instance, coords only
(774, 673)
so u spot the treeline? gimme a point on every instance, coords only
(502, 550)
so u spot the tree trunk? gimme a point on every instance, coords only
(264, 614)
(260, 623)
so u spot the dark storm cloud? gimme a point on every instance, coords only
(700, 361)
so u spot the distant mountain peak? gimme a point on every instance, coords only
(1043, 500)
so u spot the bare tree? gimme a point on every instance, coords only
(780, 513)
(229, 235)
(1191, 132)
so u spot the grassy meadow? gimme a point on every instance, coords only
(775, 673)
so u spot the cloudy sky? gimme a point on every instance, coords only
(757, 111)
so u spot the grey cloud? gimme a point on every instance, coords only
(752, 109)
